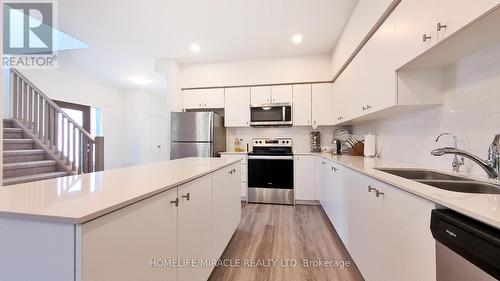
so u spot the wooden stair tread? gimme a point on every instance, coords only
(23, 152)
(29, 164)
(12, 130)
(35, 177)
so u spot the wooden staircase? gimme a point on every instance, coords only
(41, 141)
(23, 160)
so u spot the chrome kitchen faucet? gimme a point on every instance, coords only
(456, 163)
(491, 166)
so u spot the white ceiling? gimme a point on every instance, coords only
(126, 37)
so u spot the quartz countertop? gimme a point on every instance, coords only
(80, 198)
(483, 207)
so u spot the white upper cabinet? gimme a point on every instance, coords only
(301, 111)
(281, 94)
(273, 94)
(203, 98)
(415, 28)
(237, 107)
(453, 14)
(322, 102)
(260, 95)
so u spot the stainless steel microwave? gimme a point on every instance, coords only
(271, 115)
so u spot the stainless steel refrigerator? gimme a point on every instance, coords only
(196, 134)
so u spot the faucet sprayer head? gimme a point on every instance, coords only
(438, 152)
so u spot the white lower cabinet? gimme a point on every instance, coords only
(304, 177)
(132, 240)
(148, 239)
(244, 172)
(226, 206)
(387, 236)
(195, 227)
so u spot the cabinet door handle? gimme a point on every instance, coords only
(378, 193)
(370, 188)
(176, 202)
(324, 163)
(441, 26)
(205, 105)
(426, 37)
(187, 196)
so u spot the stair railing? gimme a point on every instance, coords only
(54, 127)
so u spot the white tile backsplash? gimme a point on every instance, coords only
(300, 136)
(471, 110)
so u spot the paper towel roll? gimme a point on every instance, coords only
(370, 145)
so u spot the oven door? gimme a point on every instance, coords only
(270, 171)
(270, 179)
(271, 115)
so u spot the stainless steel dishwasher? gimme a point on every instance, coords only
(466, 250)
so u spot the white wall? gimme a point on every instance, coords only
(265, 71)
(145, 128)
(471, 111)
(300, 136)
(59, 85)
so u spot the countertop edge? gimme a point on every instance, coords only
(103, 212)
(423, 195)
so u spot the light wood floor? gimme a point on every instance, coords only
(285, 232)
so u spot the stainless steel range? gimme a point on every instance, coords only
(270, 171)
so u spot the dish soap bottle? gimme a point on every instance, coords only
(238, 145)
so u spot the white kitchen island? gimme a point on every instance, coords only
(162, 221)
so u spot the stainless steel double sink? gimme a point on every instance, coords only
(444, 181)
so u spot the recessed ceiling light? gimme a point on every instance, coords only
(139, 79)
(195, 48)
(297, 38)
